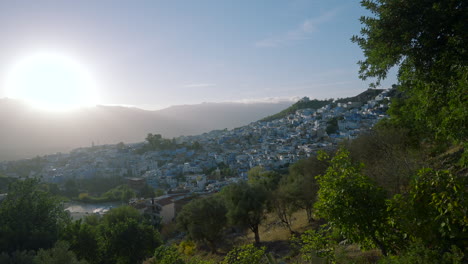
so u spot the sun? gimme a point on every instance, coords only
(51, 81)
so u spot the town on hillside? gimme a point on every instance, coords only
(219, 157)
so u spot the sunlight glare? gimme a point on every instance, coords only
(51, 81)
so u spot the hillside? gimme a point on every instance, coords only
(315, 104)
(301, 104)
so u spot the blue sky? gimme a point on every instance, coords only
(153, 54)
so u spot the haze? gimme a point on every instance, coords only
(154, 54)
(238, 55)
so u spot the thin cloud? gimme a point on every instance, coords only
(198, 85)
(272, 100)
(301, 32)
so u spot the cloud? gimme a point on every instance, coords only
(273, 100)
(301, 32)
(198, 85)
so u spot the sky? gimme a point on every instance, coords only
(152, 54)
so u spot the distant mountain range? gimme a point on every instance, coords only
(26, 132)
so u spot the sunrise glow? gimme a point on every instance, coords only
(51, 81)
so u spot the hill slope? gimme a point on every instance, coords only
(316, 104)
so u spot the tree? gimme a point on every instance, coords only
(167, 255)
(30, 218)
(129, 241)
(247, 254)
(284, 205)
(59, 254)
(147, 192)
(332, 126)
(204, 219)
(434, 210)
(317, 244)
(83, 238)
(246, 205)
(170, 255)
(390, 155)
(352, 203)
(268, 179)
(125, 238)
(427, 40)
(300, 183)
(71, 189)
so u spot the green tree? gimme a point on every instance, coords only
(30, 218)
(284, 204)
(261, 176)
(83, 239)
(204, 220)
(18, 257)
(300, 183)
(316, 244)
(147, 192)
(390, 155)
(434, 211)
(247, 254)
(332, 126)
(246, 205)
(167, 255)
(71, 188)
(170, 255)
(352, 203)
(427, 40)
(59, 254)
(125, 238)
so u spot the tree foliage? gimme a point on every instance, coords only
(391, 156)
(59, 254)
(204, 220)
(247, 254)
(30, 217)
(427, 40)
(246, 205)
(301, 104)
(83, 239)
(317, 244)
(352, 203)
(300, 184)
(434, 210)
(121, 236)
(260, 176)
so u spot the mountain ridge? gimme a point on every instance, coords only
(28, 132)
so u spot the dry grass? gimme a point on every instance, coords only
(276, 238)
(272, 230)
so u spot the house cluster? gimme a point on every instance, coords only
(270, 144)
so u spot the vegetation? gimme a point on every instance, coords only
(363, 97)
(30, 218)
(427, 41)
(121, 236)
(155, 142)
(121, 193)
(316, 104)
(332, 126)
(350, 202)
(301, 104)
(204, 220)
(399, 191)
(246, 206)
(262, 177)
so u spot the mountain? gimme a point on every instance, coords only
(26, 132)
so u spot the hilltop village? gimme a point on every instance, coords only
(213, 160)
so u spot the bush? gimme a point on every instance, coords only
(417, 253)
(248, 254)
